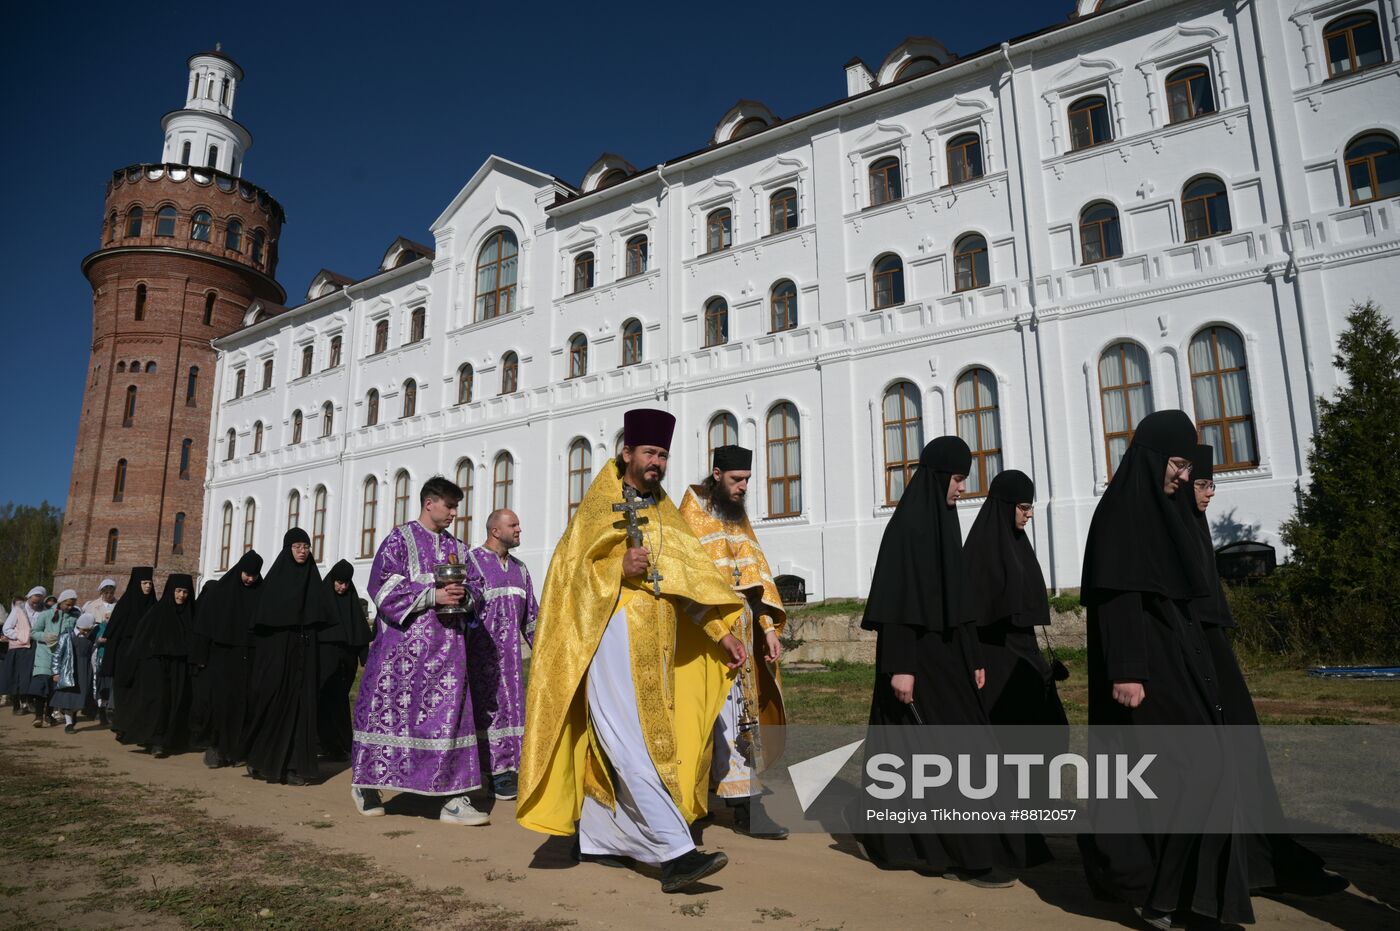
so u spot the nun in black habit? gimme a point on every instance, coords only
(928, 661)
(220, 650)
(279, 737)
(1008, 601)
(200, 728)
(342, 648)
(138, 598)
(155, 669)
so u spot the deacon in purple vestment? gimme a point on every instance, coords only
(503, 598)
(414, 727)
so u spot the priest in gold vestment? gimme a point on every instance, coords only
(633, 658)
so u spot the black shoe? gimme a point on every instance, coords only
(295, 779)
(743, 823)
(1154, 918)
(69, 728)
(213, 760)
(159, 752)
(252, 772)
(689, 868)
(993, 878)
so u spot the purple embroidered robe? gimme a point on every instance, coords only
(414, 727)
(503, 598)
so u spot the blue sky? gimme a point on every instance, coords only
(366, 123)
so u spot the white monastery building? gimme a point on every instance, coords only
(1156, 204)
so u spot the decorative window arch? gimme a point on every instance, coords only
(782, 210)
(293, 510)
(257, 437)
(1100, 236)
(784, 446)
(113, 537)
(465, 379)
(233, 236)
(296, 427)
(318, 523)
(250, 523)
(580, 471)
(510, 373)
(165, 221)
(722, 431)
(583, 272)
(226, 536)
(971, 269)
(1089, 123)
(401, 497)
(1353, 43)
(327, 419)
(632, 342)
(887, 274)
(1220, 388)
(129, 409)
(902, 423)
(372, 407)
(637, 255)
(719, 230)
(230, 444)
(139, 312)
(466, 479)
(381, 336)
(979, 424)
(497, 265)
(1125, 397)
(782, 301)
(119, 482)
(133, 222)
(369, 507)
(886, 185)
(417, 324)
(578, 355)
(502, 480)
(1205, 207)
(1189, 93)
(209, 299)
(410, 398)
(1373, 168)
(964, 158)
(200, 226)
(716, 322)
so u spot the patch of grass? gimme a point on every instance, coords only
(320, 825)
(392, 834)
(774, 913)
(507, 875)
(1066, 602)
(829, 607)
(693, 909)
(838, 694)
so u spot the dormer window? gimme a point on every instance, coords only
(748, 127)
(914, 67)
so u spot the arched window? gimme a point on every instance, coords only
(578, 355)
(240, 378)
(121, 368)
(975, 397)
(150, 368)
(267, 374)
(185, 149)
(135, 367)
(410, 398)
(466, 478)
(226, 536)
(372, 408)
(213, 149)
(885, 182)
(139, 312)
(970, 263)
(327, 419)
(465, 378)
(230, 444)
(119, 483)
(177, 536)
(1125, 393)
(381, 336)
(111, 554)
(133, 222)
(580, 470)
(723, 431)
(496, 267)
(502, 480)
(186, 449)
(583, 271)
(233, 236)
(296, 427)
(250, 518)
(632, 342)
(200, 226)
(112, 226)
(716, 322)
(368, 507)
(784, 461)
(318, 523)
(747, 128)
(255, 250)
(165, 221)
(637, 254)
(1373, 168)
(782, 210)
(964, 158)
(1088, 122)
(1189, 94)
(609, 178)
(209, 300)
(334, 360)
(888, 277)
(294, 510)
(510, 373)
(191, 386)
(257, 437)
(401, 497)
(129, 409)
(1220, 386)
(1099, 236)
(417, 324)
(919, 64)
(902, 418)
(1205, 208)
(782, 300)
(719, 230)
(308, 356)
(1353, 43)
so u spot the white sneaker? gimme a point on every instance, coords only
(367, 801)
(461, 811)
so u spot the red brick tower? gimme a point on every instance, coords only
(186, 245)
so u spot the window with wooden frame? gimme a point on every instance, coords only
(200, 226)
(722, 431)
(369, 507)
(978, 418)
(1125, 397)
(1353, 44)
(580, 471)
(177, 535)
(1189, 93)
(327, 419)
(401, 497)
(716, 322)
(466, 478)
(257, 437)
(888, 277)
(226, 536)
(637, 255)
(296, 427)
(165, 221)
(1373, 168)
(782, 302)
(886, 185)
(293, 510)
(902, 419)
(578, 356)
(510, 373)
(250, 521)
(502, 481)
(782, 211)
(372, 408)
(632, 342)
(381, 337)
(230, 444)
(970, 267)
(318, 523)
(1089, 124)
(410, 398)
(583, 272)
(186, 451)
(1220, 387)
(964, 158)
(1205, 209)
(119, 482)
(267, 374)
(110, 555)
(133, 222)
(719, 230)
(139, 312)
(240, 378)
(784, 461)
(308, 355)
(465, 380)
(129, 408)
(417, 325)
(497, 265)
(1099, 234)
(334, 360)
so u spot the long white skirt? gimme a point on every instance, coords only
(730, 773)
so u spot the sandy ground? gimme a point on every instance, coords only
(806, 881)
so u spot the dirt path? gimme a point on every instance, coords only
(805, 882)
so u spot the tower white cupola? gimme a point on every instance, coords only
(204, 133)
